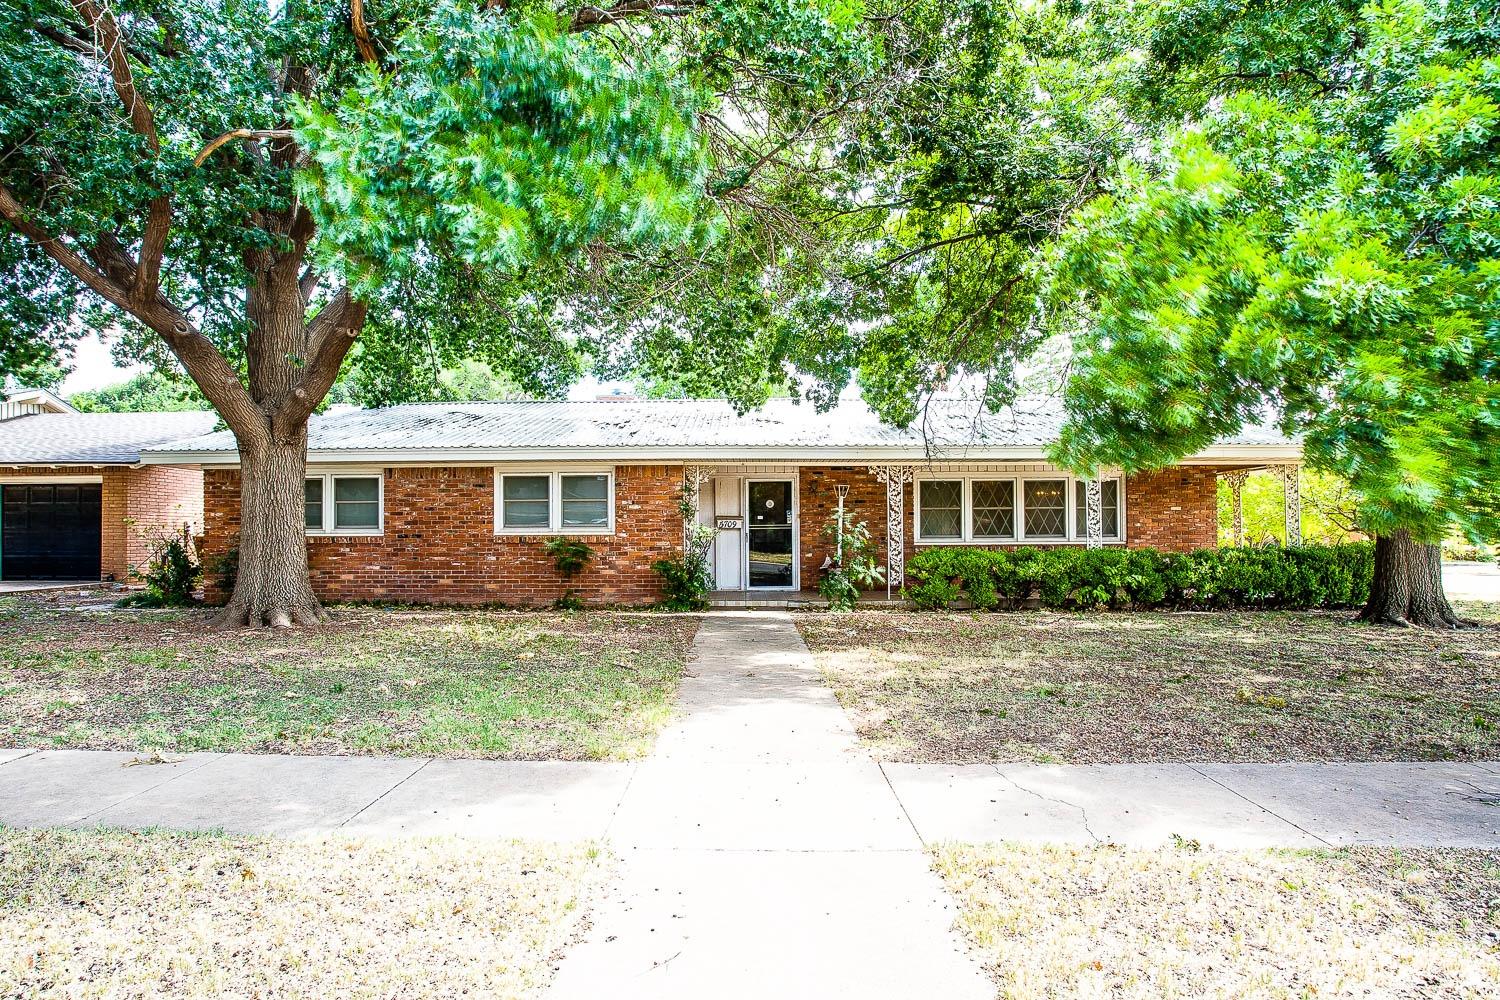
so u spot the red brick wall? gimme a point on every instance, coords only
(1174, 509)
(439, 544)
(159, 498)
(132, 501)
(818, 501)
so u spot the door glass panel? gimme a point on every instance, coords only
(770, 529)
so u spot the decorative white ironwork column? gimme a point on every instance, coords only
(1093, 514)
(895, 478)
(1291, 492)
(693, 478)
(1236, 481)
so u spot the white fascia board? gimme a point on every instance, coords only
(1228, 454)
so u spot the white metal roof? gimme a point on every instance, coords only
(679, 430)
(94, 438)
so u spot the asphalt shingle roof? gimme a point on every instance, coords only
(94, 438)
(525, 426)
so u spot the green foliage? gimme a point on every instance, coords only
(506, 141)
(1307, 576)
(685, 585)
(1330, 510)
(172, 573)
(569, 555)
(142, 393)
(1321, 244)
(853, 564)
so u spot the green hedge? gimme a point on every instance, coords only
(1306, 576)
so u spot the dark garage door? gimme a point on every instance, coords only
(49, 531)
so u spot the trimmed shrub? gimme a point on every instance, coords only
(1064, 578)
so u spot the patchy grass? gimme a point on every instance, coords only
(115, 914)
(1110, 688)
(1061, 922)
(499, 684)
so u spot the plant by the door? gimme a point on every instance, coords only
(686, 580)
(851, 566)
(569, 556)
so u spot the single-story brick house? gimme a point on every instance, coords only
(454, 502)
(75, 500)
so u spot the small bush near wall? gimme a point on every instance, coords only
(1307, 576)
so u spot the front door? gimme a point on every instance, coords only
(771, 533)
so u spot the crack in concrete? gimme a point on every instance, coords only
(1259, 805)
(1082, 812)
(21, 756)
(212, 757)
(410, 775)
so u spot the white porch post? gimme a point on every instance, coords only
(895, 478)
(1236, 481)
(1291, 492)
(1093, 515)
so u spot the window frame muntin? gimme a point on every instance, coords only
(554, 476)
(1019, 538)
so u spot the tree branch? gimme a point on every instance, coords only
(159, 213)
(111, 277)
(240, 133)
(329, 337)
(361, 32)
(591, 16)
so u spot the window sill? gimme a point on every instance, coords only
(550, 533)
(349, 533)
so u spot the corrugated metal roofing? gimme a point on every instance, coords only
(94, 438)
(950, 425)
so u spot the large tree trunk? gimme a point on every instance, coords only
(1408, 585)
(272, 587)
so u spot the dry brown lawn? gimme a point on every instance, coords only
(1146, 687)
(1068, 922)
(125, 915)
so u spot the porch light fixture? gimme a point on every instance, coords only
(842, 489)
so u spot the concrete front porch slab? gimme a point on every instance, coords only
(541, 800)
(10, 754)
(270, 793)
(1403, 805)
(63, 787)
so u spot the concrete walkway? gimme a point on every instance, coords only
(764, 853)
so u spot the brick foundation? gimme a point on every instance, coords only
(439, 544)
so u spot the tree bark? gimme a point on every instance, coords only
(1408, 585)
(272, 587)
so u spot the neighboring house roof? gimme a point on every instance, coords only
(17, 402)
(94, 438)
(680, 430)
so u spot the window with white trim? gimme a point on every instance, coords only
(991, 509)
(343, 504)
(535, 503)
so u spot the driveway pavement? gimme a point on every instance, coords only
(1471, 581)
